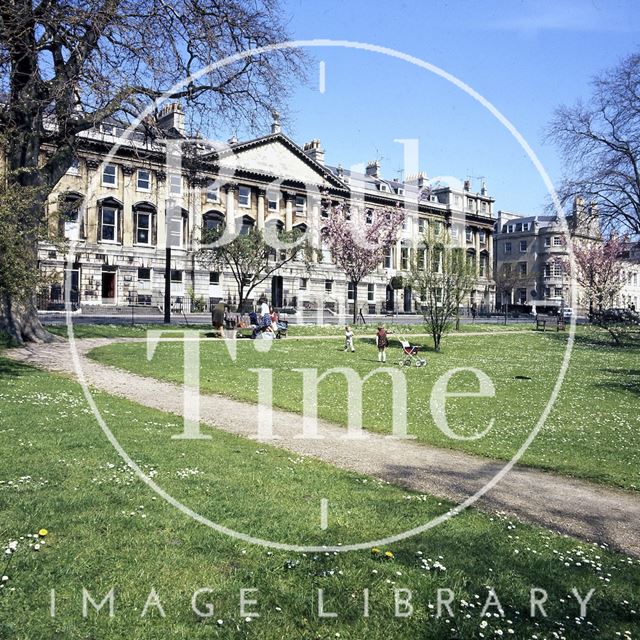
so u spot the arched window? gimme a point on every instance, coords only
(471, 258)
(273, 226)
(109, 220)
(144, 223)
(177, 226)
(70, 218)
(247, 225)
(212, 221)
(484, 264)
(301, 228)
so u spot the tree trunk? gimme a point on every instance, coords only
(240, 298)
(21, 323)
(355, 302)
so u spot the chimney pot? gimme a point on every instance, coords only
(314, 150)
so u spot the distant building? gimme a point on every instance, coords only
(530, 254)
(629, 295)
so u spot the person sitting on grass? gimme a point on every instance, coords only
(348, 339)
(382, 342)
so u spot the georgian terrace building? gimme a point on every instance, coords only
(112, 203)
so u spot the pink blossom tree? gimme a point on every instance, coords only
(358, 240)
(598, 270)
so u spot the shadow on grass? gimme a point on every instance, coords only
(567, 519)
(11, 369)
(627, 380)
(592, 337)
(6, 341)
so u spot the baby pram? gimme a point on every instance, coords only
(262, 325)
(259, 324)
(283, 327)
(410, 355)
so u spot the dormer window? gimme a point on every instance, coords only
(383, 187)
(526, 226)
(509, 228)
(400, 191)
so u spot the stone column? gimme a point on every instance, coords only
(261, 198)
(314, 225)
(230, 209)
(288, 212)
(91, 221)
(194, 204)
(490, 250)
(127, 212)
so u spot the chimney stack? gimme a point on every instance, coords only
(373, 168)
(419, 179)
(314, 151)
(172, 117)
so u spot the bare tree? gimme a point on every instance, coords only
(66, 65)
(249, 256)
(508, 279)
(600, 144)
(444, 275)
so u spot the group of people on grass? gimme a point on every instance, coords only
(382, 341)
(266, 321)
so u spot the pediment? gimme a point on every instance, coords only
(276, 155)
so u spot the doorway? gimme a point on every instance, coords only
(407, 299)
(390, 299)
(108, 287)
(276, 292)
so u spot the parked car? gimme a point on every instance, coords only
(567, 313)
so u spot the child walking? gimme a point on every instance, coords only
(348, 339)
(382, 342)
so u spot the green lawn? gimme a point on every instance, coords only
(107, 529)
(593, 431)
(82, 330)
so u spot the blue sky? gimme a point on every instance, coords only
(525, 57)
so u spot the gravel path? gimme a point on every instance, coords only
(587, 511)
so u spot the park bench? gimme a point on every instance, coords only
(542, 320)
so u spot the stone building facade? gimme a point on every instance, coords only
(532, 252)
(113, 204)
